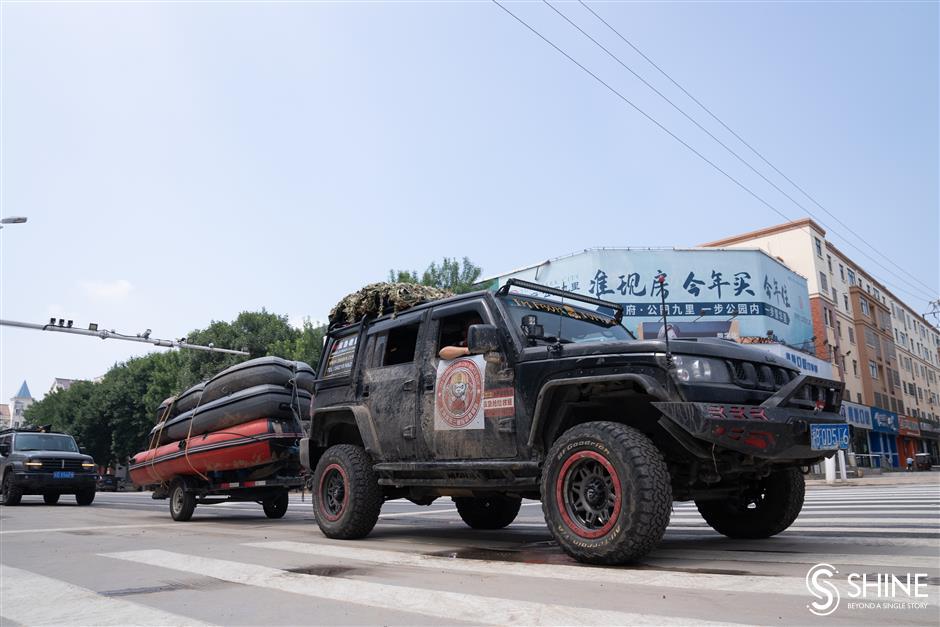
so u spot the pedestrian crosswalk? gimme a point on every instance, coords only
(866, 529)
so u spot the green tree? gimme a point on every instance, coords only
(457, 276)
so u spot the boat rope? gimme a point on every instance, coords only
(189, 435)
(155, 439)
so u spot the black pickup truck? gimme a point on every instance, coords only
(550, 397)
(38, 461)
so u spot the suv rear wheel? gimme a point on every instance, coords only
(488, 512)
(346, 494)
(759, 513)
(606, 493)
(50, 498)
(10, 493)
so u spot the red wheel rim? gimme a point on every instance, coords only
(588, 494)
(333, 492)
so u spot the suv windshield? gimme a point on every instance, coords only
(575, 324)
(44, 442)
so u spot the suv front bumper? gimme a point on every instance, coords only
(38, 482)
(777, 429)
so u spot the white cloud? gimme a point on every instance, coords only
(107, 290)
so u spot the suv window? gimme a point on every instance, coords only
(399, 345)
(574, 324)
(453, 329)
(44, 442)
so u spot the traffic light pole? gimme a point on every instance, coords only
(112, 334)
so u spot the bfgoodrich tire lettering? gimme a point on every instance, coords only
(759, 513)
(606, 493)
(346, 494)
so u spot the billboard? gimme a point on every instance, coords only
(728, 293)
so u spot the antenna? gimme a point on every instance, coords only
(661, 279)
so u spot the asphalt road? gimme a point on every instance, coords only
(124, 561)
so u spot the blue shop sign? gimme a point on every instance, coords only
(884, 421)
(856, 415)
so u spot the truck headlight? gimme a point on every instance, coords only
(33, 464)
(692, 369)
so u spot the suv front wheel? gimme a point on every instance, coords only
(10, 493)
(606, 493)
(488, 512)
(346, 494)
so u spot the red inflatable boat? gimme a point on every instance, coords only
(247, 445)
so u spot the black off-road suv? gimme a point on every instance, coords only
(555, 400)
(38, 461)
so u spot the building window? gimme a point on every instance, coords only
(855, 369)
(828, 317)
(835, 297)
(858, 397)
(823, 284)
(842, 272)
(852, 335)
(865, 307)
(829, 262)
(851, 277)
(845, 301)
(818, 248)
(872, 369)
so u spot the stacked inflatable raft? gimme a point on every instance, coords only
(247, 415)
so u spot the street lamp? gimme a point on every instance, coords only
(13, 220)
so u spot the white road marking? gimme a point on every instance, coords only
(94, 528)
(449, 606)
(862, 520)
(33, 599)
(775, 557)
(620, 576)
(860, 528)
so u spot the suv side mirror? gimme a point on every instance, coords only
(482, 338)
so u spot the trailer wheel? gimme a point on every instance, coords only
(182, 502)
(276, 506)
(346, 496)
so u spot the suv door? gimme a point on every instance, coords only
(466, 404)
(390, 383)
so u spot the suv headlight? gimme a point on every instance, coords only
(692, 369)
(33, 464)
(88, 464)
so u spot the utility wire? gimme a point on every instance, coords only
(656, 122)
(749, 146)
(643, 113)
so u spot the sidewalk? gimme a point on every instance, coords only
(887, 479)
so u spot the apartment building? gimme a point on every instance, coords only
(886, 353)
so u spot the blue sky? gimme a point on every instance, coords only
(182, 162)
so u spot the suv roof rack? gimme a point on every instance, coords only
(31, 429)
(554, 291)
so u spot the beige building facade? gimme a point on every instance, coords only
(886, 353)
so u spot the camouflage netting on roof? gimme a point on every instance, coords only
(378, 298)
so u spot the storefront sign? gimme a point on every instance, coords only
(805, 362)
(884, 421)
(908, 426)
(856, 415)
(929, 429)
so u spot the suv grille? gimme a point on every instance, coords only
(761, 376)
(59, 463)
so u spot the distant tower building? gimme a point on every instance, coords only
(18, 405)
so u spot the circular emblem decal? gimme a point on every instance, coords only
(459, 393)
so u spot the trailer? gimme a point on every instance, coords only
(186, 492)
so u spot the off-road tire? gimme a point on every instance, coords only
(10, 493)
(182, 502)
(488, 512)
(85, 497)
(347, 498)
(776, 504)
(606, 493)
(50, 498)
(276, 506)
